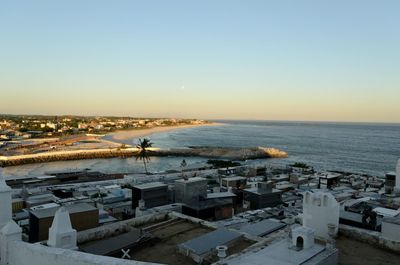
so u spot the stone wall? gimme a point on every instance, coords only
(370, 237)
(117, 228)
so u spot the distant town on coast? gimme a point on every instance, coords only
(13, 127)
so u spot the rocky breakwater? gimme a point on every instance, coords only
(232, 153)
(17, 160)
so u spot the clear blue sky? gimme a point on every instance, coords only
(279, 60)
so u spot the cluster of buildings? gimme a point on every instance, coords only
(238, 215)
(24, 127)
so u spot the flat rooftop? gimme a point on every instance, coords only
(73, 208)
(208, 242)
(111, 245)
(262, 228)
(262, 192)
(216, 195)
(150, 185)
(234, 178)
(190, 180)
(277, 254)
(329, 176)
(163, 248)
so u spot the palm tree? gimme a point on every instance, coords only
(143, 153)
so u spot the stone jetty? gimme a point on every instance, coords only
(209, 152)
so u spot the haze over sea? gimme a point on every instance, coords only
(353, 147)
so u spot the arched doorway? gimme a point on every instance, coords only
(299, 242)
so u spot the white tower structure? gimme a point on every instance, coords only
(61, 233)
(5, 201)
(321, 209)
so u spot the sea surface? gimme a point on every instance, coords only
(353, 147)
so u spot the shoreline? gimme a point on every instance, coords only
(138, 133)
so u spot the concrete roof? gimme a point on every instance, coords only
(262, 228)
(385, 212)
(329, 176)
(150, 185)
(210, 203)
(195, 179)
(277, 254)
(113, 244)
(234, 178)
(203, 244)
(73, 208)
(262, 192)
(215, 195)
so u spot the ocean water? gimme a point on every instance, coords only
(353, 147)
(361, 148)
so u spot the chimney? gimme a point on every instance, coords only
(221, 252)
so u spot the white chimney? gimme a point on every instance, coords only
(221, 252)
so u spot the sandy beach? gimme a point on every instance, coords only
(137, 133)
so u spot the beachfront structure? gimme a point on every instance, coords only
(320, 210)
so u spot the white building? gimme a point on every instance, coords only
(51, 125)
(320, 209)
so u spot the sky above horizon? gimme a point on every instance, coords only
(274, 60)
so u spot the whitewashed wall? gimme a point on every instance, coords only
(391, 231)
(21, 253)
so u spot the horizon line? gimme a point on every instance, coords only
(212, 119)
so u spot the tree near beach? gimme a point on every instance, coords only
(143, 153)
